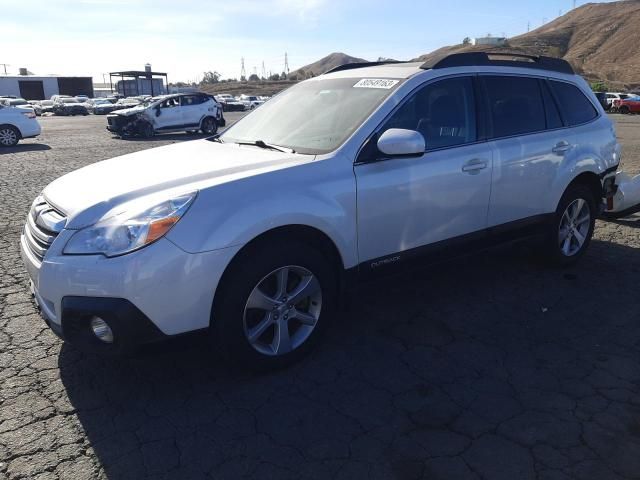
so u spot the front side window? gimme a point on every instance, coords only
(315, 116)
(443, 112)
(515, 105)
(575, 106)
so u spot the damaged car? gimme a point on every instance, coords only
(184, 112)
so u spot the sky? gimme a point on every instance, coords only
(187, 37)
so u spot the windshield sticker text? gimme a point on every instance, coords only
(376, 83)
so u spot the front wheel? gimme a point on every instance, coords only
(273, 305)
(572, 227)
(9, 136)
(209, 126)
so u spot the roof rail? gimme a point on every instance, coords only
(351, 66)
(509, 60)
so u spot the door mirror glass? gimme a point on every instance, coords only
(158, 111)
(398, 141)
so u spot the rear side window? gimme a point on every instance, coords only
(193, 100)
(515, 105)
(575, 106)
(551, 109)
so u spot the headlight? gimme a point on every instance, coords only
(126, 232)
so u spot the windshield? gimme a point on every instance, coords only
(69, 100)
(18, 102)
(312, 117)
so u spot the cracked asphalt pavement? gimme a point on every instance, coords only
(492, 367)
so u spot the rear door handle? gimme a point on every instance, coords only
(474, 166)
(561, 147)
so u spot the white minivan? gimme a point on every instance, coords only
(255, 235)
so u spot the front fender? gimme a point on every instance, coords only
(235, 213)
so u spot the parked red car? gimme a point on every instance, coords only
(627, 105)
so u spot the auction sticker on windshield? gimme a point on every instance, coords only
(376, 83)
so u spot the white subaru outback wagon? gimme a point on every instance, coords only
(254, 234)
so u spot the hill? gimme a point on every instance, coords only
(600, 40)
(325, 64)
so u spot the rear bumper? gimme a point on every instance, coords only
(30, 129)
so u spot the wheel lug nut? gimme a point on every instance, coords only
(290, 306)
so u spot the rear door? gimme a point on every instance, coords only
(193, 109)
(529, 144)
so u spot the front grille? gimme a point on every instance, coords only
(44, 223)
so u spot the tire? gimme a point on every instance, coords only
(625, 110)
(245, 304)
(146, 130)
(209, 126)
(9, 136)
(571, 230)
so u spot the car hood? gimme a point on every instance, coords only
(102, 189)
(126, 112)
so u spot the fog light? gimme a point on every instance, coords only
(101, 330)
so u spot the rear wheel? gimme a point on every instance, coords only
(274, 305)
(625, 110)
(209, 126)
(572, 227)
(9, 136)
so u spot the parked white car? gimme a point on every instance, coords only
(256, 234)
(15, 124)
(611, 96)
(169, 113)
(250, 101)
(17, 103)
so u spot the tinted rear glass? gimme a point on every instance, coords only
(575, 106)
(515, 105)
(551, 109)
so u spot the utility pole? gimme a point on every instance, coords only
(5, 65)
(528, 26)
(264, 72)
(243, 72)
(574, 3)
(286, 63)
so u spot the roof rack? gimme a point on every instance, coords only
(509, 60)
(351, 66)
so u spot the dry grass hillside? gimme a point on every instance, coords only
(325, 64)
(600, 40)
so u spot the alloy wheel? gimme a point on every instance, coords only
(8, 137)
(574, 227)
(282, 310)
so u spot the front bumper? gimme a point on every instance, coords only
(153, 293)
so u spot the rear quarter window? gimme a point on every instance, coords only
(576, 108)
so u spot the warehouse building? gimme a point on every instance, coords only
(43, 87)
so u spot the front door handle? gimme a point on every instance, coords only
(561, 147)
(474, 166)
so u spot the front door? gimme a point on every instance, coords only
(170, 114)
(408, 203)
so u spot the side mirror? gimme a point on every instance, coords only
(158, 111)
(399, 142)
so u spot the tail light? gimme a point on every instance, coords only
(29, 114)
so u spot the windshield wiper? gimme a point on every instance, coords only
(269, 146)
(215, 138)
